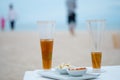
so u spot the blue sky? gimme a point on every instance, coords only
(30, 11)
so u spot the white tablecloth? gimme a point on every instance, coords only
(111, 73)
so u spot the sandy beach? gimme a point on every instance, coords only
(20, 51)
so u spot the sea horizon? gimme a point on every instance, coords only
(58, 27)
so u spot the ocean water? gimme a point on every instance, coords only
(28, 14)
(58, 27)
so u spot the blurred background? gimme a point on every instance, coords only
(29, 12)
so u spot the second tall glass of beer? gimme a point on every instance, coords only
(46, 32)
(96, 31)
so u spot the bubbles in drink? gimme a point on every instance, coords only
(46, 47)
(96, 59)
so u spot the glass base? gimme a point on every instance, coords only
(98, 70)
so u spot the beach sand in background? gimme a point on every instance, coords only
(20, 52)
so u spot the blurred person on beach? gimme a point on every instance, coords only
(2, 23)
(71, 7)
(12, 16)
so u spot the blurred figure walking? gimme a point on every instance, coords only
(2, 21)
(12, 16)
(71, 7)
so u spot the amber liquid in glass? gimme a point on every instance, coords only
(96, 59)
(47, 48)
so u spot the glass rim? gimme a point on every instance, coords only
(46, 22)
(96, 20)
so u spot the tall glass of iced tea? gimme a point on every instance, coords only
(96, 31)
(46, 31)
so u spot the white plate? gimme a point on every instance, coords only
(55, 75)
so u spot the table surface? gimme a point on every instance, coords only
(111, 73)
